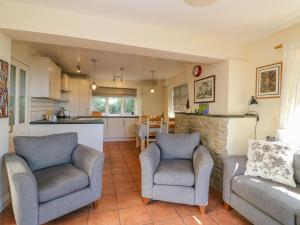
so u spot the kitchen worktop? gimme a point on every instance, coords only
(110, 116)
(77, 120)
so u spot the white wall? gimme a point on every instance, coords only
(262, 53)
(5, 54)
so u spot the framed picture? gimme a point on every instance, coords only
(268, 81)
(204, 89)
(3, 89)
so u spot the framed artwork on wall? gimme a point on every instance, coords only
(204, 89)
(268, 81)
(3, 89)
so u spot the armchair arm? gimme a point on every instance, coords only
(23, 190)
(91, 162)
(149, 159)
(233, 165)
(203, 165)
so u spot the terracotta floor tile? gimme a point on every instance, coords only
(75, 219)
(120, 170)
(108, 179)
(223, 217)
(187, 210)
(198, 220)
(104, 218)
(134, 216)
(106, 203)
(108, 189)
(125, 187)
(160, 211)
(126, 177)
(129, 200)
(170, 222)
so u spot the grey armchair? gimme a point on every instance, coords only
(176, 169)
(52, 175)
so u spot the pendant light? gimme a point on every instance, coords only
(152, 90)
(94, 86)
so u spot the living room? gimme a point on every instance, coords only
(221, 92)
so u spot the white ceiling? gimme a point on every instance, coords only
(109, 63)
(244, 20)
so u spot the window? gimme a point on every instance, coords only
(99, 104)
(22, 96)
(179, 98)
(129, 105)
(114, 105)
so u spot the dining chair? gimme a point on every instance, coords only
(143, 119)
(154, 126)
(170, 125)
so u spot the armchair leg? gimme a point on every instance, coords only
(227, 206)
(202, 209)
(146, 201)
(96, 204)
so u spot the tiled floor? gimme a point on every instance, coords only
(121, 203)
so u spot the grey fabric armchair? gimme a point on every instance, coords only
(51, 176)
(176, 169)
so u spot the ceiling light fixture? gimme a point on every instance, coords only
(200, 2)
(78, 68)
(120, 77)
(94, 86)
(152, 90)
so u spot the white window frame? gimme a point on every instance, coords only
(122, 105)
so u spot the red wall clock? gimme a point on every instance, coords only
(197, 70)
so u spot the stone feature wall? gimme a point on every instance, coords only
(213, 135)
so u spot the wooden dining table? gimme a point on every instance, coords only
(141, 133)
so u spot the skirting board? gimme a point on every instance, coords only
(4, 201)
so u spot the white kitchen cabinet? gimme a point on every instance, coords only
(79, 97)
(65, 80)
(104, 128)
(115, 128)
(45, 78)
(119, 128)
(130, 127)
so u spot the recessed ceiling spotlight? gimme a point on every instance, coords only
(200, 2)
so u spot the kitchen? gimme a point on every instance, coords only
(60, 97)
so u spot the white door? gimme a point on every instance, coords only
(18, 100)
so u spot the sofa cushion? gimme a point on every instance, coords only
(297, 167)
(58, 181)
(46, 151)
(177, 146)
(279, 201)
(175, 172)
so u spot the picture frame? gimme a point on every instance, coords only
(268, 81)
(204, 90)
(3, 89)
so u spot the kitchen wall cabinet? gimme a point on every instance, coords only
(65, 80)
(45, 78)
(79, 97)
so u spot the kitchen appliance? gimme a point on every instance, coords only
(61, 114)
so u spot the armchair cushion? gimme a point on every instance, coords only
(46, 151)
(177, 146)
(57, 181)
(277, 200)
(175, 172)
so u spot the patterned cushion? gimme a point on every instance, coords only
(271, 160)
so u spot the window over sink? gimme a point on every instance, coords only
(111, 105)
